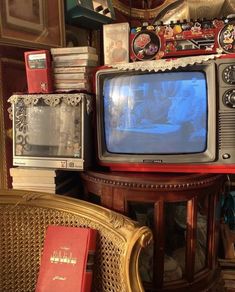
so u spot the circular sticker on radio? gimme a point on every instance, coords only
(145, 45)
(227, 38)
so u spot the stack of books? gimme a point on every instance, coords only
(73, 68)
(44, 180)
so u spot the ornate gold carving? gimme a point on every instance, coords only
(172, 10)
(141, 13)
(146, 238)
(116, 220)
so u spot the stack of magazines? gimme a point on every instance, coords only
(73, 68)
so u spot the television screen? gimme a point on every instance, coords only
(156, 113)
(49, 131)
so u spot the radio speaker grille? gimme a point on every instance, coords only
(227, 129)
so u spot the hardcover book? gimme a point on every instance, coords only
(67, 259)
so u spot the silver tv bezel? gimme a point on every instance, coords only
(209, 155)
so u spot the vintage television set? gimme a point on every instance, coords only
(175, 120)
(52, 130)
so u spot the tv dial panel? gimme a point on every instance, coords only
(229, 98)
(228, 76)
(182, 38)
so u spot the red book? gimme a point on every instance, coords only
(67, 260)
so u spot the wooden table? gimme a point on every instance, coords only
(189, 198)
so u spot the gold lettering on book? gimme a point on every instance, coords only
(62, 257)
(59, 278)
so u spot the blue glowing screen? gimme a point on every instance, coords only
(156, 113)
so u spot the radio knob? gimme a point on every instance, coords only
(229, 98)
(232, 98)
(229, 74)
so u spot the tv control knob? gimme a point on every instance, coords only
(228, 74)
(71, 164)
(229, 98)
(226, 156)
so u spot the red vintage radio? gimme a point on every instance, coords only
(186, 38)
(39, 71)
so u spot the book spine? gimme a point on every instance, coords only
(87, 282)
(74, 63)
(70, 76)
(72, 70)
(72, 81)
(72, 85)
(72, 50)
(88, 56)
(19, 173)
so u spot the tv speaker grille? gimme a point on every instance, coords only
(226, 129)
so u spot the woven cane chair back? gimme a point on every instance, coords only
(24, 216)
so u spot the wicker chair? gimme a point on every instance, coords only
(24, 216)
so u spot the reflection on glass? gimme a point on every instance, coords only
(48, 131)
(175, 238)
(201, 242)
(143, 213)
(175, 241)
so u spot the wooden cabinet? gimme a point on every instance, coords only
(12, 79)
(183, 211)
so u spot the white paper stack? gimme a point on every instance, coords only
(43, 180)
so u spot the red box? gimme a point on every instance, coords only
(39, 71)
(180, 39)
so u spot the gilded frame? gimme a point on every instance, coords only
(41, 25)
(21, 15)
(141, 13)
